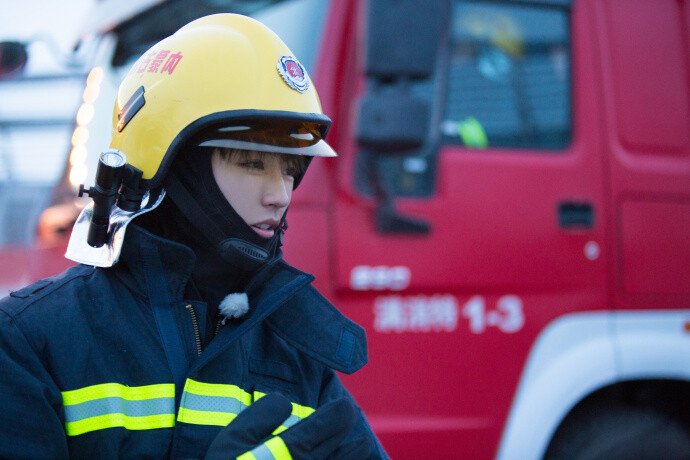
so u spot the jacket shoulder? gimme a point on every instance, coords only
(19, 300)
(309, 322)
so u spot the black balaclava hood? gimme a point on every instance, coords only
(196, 213)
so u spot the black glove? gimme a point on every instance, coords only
(318, 436)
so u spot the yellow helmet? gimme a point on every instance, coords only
(223, 80)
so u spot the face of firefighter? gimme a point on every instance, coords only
(257, 185)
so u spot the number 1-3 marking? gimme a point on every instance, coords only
(441, 313)
(507, 317)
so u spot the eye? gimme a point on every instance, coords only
(252, 164)
(290, 171)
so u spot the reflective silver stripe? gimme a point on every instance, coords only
(225, 404)
(291, 420)
(116, 405)
(262, 452)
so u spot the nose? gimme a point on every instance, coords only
(277, 190)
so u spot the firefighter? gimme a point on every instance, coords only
(182, 313)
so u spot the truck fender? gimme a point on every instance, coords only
(579, 353)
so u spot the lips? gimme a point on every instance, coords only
(266, 228)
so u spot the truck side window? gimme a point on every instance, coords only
(508, 77)
(502, 80)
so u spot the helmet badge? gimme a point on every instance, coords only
(293, 73)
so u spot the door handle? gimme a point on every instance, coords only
(575, 215)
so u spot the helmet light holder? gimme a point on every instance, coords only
(118, 198)
(104, 194)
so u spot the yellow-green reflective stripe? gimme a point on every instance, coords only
(279, 430)
(273, 449)
(218, 404)
(109, 390)
(301, 411)
(119, 420)
(278, 449)
(198, 417)
(217, 389)
(298, 411)
(211, 403)
(110, 405)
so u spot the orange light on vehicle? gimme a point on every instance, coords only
(95, 76)
(80, 136)
(78, 155)
(84, 117)
(91, 94)
(78, 174)
(85, 114)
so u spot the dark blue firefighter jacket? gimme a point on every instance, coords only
(104, 363)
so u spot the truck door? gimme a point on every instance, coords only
(494, 227)
(645, 74)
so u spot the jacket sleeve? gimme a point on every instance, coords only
(31, 424)
(333, 389)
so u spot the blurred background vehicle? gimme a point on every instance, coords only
(508, 217)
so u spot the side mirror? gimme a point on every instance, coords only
(392, 121)
(403, 36)
(13, 57)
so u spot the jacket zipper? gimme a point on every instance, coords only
(219, 323)
(195, 326)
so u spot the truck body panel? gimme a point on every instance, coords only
(555, 185)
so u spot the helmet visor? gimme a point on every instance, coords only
(292, 138)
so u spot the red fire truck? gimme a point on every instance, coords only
(509, 216)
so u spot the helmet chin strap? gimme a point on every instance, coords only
(239, 252)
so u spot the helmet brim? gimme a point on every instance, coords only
(291, 137)
(319, 149)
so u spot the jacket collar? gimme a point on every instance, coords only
(279, 294)
(312, 324)
(283, 298)
(177, 259)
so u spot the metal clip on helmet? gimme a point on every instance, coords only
(223, 80)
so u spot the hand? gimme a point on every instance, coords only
(318, 436)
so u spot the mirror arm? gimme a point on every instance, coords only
(387, 218)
